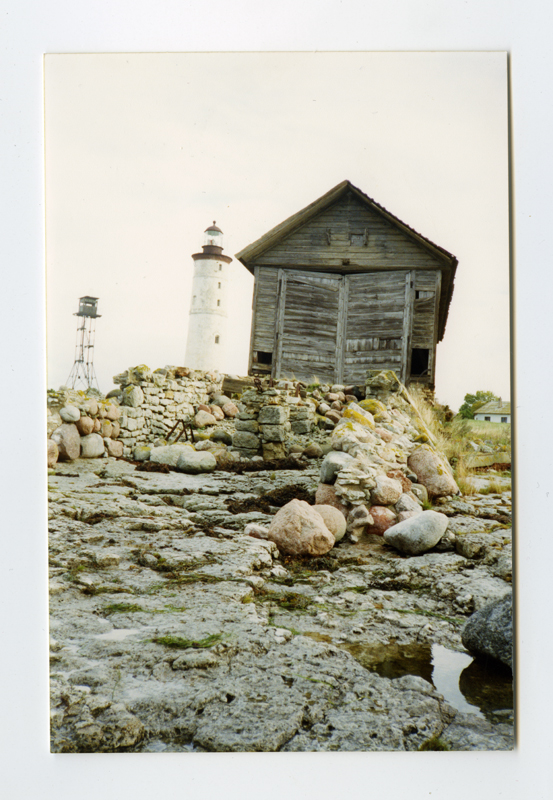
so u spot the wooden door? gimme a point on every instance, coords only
(377, 324)
(309, 327)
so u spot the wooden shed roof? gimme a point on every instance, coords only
(248, 255)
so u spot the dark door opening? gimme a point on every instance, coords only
(419, 361)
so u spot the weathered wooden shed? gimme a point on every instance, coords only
(343, 287)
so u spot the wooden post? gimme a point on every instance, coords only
(407, 322)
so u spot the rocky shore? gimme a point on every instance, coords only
(179, 624)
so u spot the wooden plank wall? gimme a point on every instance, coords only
(265, 302)
(374, 327)
(387, 246)
(309, 331)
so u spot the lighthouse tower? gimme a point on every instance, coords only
(206, 347)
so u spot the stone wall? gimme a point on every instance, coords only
(266, 419)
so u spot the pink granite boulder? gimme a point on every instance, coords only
(298, 529)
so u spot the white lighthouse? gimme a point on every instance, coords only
(206, 346)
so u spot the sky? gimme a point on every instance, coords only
(144, 151)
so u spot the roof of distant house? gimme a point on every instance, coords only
(502, 407)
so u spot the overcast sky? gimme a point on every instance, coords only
(144, 151)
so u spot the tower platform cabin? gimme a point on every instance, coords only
(344, 287)
(207, 342)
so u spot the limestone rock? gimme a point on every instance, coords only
(85, 425)
(53, 453)
(169, 454)
(92, 446)
(299, 530)
(334, 520)
(489, 632)
(359, 519)
(273, 451)
(417, 534)
(141, 453)
(245, 440)
(204, 418)
(383, 518)
(332, 464)
(432, 471)
(376, 408)
(407, 502)
(68, 441)
(273, 415)
(386, 492)
(133, 396)
(195, 463)
(358, 414)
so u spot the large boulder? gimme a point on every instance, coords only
(334, 520)
(169, 454)
(133, 396)
(433, 471)
(194, 462)
(230, 410)
(92, 446)
(68, 441)
(489, 632)
(418, 533)
(299, 530)
(332, 464)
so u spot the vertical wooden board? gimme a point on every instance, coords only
(406, 349)
(281, 298)
(254, 310)
(341, 332)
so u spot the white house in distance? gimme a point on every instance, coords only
(494, 411)
(206, 345)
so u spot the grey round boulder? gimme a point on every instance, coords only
(169, 454)
(194, 462)
(386, 492)
(70, 413)
(333, 463)
(417, 534)
(92, 446)
(489, 632)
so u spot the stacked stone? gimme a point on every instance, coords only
(87, 428)
(265, 421)
(153, 401)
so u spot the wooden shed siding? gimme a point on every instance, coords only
(264, 323)
(387, 245)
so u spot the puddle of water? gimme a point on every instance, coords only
(468, 685)
(117, 634)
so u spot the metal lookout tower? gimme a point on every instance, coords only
(82, 372)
